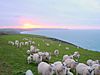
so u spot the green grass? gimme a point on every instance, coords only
(13, 60)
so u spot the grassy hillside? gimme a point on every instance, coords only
(13, 60)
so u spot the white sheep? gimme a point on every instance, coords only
(41, 53)
(26, 43)
(33, 42)
(37, 50)
(89, 62)
(83, 69)
(59, 45)
(32, 49)
(47, 44)
(70, 63)
(97, 61)
(17, 44)
(29, 59)
(30, 42)
(96, 68)
(67, 48)
(37, 58)
(11, 42)
(76, 54)
(60, 69)
(25, 39)
(46, 56)
(21, 44)
(67, 57)
(56, 52)
(16, 41)
(45, 69)
(28, 52)
(29, 72)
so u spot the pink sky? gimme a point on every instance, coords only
(30, 23)
(55, 26)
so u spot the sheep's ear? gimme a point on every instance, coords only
(64, 64)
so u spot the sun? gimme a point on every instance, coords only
(28, 25)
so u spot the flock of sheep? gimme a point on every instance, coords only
(68, 65)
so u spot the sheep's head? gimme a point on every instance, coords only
(65, 69)
(90, 70)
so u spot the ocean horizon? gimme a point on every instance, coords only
(87, 39)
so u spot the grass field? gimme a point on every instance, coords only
(13, 60)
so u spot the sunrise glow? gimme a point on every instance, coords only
(25, 26)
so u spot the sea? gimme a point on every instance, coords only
(88, 39)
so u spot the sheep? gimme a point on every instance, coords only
(76, 55)
(47, 44)
(24, 39)
(33, 42)
(67, 57)
(45, 69)
(37, 50)
(97, 61)
(17, 44)
(16, 41)
(21, 44)
(11, 42)
(30, 42)
(46, 56)
(29, 59)
(26, 43)
(59, 45)
(56, 52)
(60, 69)
(41, 53)
(96, 68)
(28, 52)
(70, 63)
(69, 73)
(89, 62)
(83, 69)
(32, 49)
(37, 58)
(29, 72)
(67, 48)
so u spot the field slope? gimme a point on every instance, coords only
(13, 60)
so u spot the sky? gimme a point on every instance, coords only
(71, 14)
